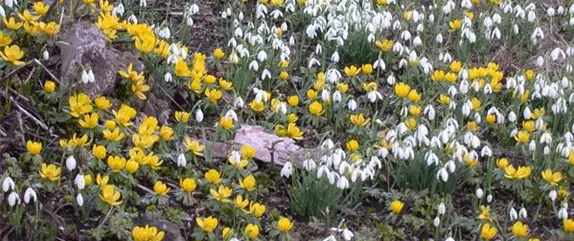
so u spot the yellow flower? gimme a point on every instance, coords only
(132, 166)
(4, 39)
(411, 123)
(248, 183)
(109, 195)
(116, 163)
(222, 194)
(397, 206)
(450, 77)
(284, 225)
(11, 23)
(359, 120)
(207, 224)
(469, 14)
(455, 66)
(166, 133)
(342, 87)
(469, 161)
(102, 103)
(106, 7)
(283, 75)
(89, 121)
(382, 2)
(293, 100)
(160, 188)
(240, 202)
(444, 99)
(484, 212)
(352, 145)
(102, 180)
(414, 96)
(12, 54)
(519, 229)
(114, 135)
(415, 110)
(252, 230)
(99, 152)
(311, 94)
(568, 225)
(194, 146)
(280, 131)
(26, 16)
(124, 115)
(352, 70)
(367, 68)
(110, 124)
(522, 137)
(80, 104)
(226, 232)
(529, 74)
(257, 106)
(213, 95)
(50, 172)
(294, 132)
(34, 148)
(402, 89)
(88, 179)
(49, 86)
(455, 24)
(40, 8)
(144, 141)
(188, 184)
(316, 108)
(488, 232)
(213, 176)
(502, 163)
(145, 43)
(490, 118)
(522, 172)
(139, 88)
(50, 28)
(437, 75)
(182, 116)
(292, 118)
(247, 151)
(226, 85)
(257, 209)
(553, 178)
(226, 123)
(146, 233)
(218, 54)
(385, 45)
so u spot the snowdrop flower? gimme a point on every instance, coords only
(2, 12)
(30, 195)
(80, 181)
(439, 38)
(80, 199)
(165, 33)
(238, 103)
(522, 213)
(557, 53)
(143, 3)
(550, 12)
(449, 239)
(436, 221)
(254, 65)
(167, 77)
(13, 199)
(335, 57)
(442, 175)
(391, 80)
(513, 214)
(563, 213)
(347, 234)
(85, 78)
(309, 164)
(231, 115)
(539, 61)
(181, 161)
(489, 198)
(45, 54)
(8, 184)
(380, 64)
(552, 195)
(352, 105)
(512, 116)
(287, 170)
(266, 74)
(337, 96)
(132, 19)
(10, 3)
(199, 115)
(261, 56)
(91, 77)
(441, 209)
(71, 163)
(343, 183)
(479, 193)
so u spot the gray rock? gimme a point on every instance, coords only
(172, 230)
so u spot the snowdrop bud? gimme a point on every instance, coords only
(391, 80)
(436, 221)
(167, 77)
(512, 116)
(489, 198)
(287, 170)
(563, 213)
(442, 175)
(337, 96)
(80, 199)
(526, 113)
(552, 195)
(335, 57)
(240, 16)
(343, 183)
(181, 161)
(199, 115)
(560, 10)
(143, 3)
(513, 214)
(165, 33)
(539, 61)
(118, 10)
(8, 184)
(30, 195)
(522, 213)
(71, 163)
(189, 21)
(479, 193)
(85, 78)
(550, 12)
(441, 209)
(132, 19)
(439, 38)
(325, 95)
(13, 199)
(451, 166)
(80, 181)
(91, 77)
(352, 105)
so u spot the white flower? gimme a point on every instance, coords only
(85, 78)
(513, 214)
(557, 53)
(512, 116)
(13, 199)
(550, 12)
(45, 54)
(167, 77)
(238, 103)
(231, 114)
(71, 163)
(2, 12)
(199, 115)
(132, 19)
(261, 56)
(343, 183)
(91, 77)
(309, 164)
(287, 170)
(181, 161)
(352, 105)
(479, 193)
(449, 239)
(442, 175)
(563, 213)
(539, 61)
(80, 181)
(8, 184)
(165, 33)
(552, 195)
(30, 195)
(80, 199)
(337, 96)
(118, 10)
(522, 213)
(266, 74)
(10, 3)
(489, 198)
(254, 65)
(143, 3)
(335, 57)
(347, 234)
(436, 221)
(441, 209)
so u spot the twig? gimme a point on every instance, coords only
(172, 100)
(142, 187)
(21, 125)
(54, 78)
(40, 123)
(17, 70)
(106, 217)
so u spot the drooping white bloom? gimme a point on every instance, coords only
(436, 221)
(30, 195)
(91, 77)
(441, 209)
(522, 213)
(80, 181)
(181, 160)
(513, 214)
(552, 195)
(347, 234)
(479, 193)
(45, 54)
(13, 199)
(287, 170)
(8, 184)
(85, 78)
(71, 163)
(199, 115)
(143, 3)
(80, 199)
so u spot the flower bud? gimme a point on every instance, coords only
(71, 163)
(13, 199)
(45, 55)
(479, 193)
(8, 184)
(80, 199)
(181, 161)
(29, 195)
(80, 181)
(513, 214)
(199, 115)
